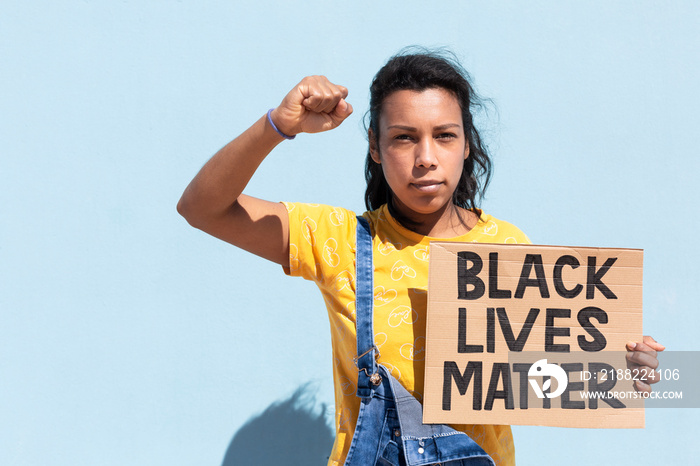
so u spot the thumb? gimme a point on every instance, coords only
(653, 344)
(341, 111)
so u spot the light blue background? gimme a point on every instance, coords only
(127, 337)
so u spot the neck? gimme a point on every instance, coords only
(447, 222)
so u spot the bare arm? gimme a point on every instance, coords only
(213, 201)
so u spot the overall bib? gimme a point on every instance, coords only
(390, 429)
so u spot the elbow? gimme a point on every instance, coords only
(182, 207)
(197, 214)
(188, 212)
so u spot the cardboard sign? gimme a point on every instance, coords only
(532, 335)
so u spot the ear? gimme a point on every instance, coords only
(373, 146)
(466, 151)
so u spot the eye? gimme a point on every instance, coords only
(446, 136)
(404, 137)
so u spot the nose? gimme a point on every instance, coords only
(425, 155)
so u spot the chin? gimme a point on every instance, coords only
(423, 209)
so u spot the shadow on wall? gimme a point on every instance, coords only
(289, 432)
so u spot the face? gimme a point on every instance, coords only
(421, 148)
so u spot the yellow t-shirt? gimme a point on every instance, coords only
(322, 249)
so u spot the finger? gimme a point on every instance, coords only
(643, 358)
(311, 88)
(333, 96)
(314, 102)
(337, 116)
(321, 96)
(322, 101)
(643, 373)
(636, 346)
(649, 341)
(649, 375)
(642, 387)
(341, 112)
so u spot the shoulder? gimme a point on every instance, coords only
(321, 241)
(314, 216)
(377, 219)
(493, 230)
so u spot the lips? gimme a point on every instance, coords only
(427, 186)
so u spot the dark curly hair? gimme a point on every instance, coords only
(409, 70)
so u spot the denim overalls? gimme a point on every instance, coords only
(390, 429)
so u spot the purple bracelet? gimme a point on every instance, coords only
(269, 118)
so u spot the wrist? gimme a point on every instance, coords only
(276, 128)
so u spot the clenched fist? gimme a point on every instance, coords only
(314, 105)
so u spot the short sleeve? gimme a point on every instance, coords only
(321, 241)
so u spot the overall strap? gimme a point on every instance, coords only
(364, 306)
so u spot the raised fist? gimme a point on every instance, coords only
(314, 105)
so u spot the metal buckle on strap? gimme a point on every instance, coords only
(376, 356)
(375, 378)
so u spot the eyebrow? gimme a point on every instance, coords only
(439, 127)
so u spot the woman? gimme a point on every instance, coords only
(425, 167)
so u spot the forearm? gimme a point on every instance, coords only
(213, 201)
(217, 186)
